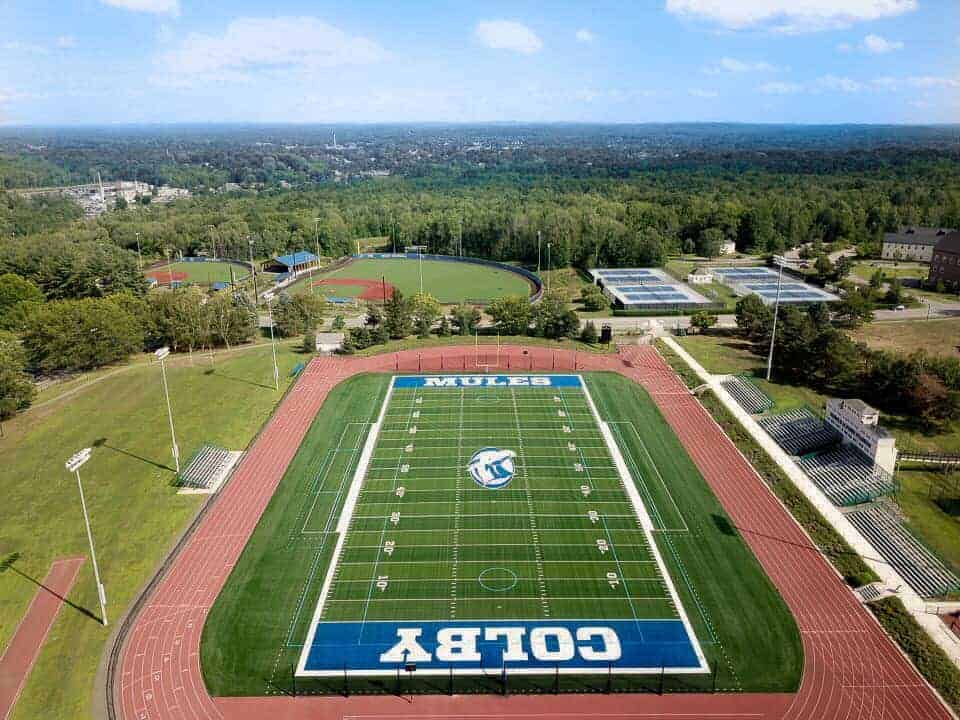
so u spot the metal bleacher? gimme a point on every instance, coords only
(799, 431)
(846, 476)
(921, 569)
(748, 396)
(206, 467)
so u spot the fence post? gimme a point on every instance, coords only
(609, 678)
(556, 681)
(503, 679)
(450, 689)
(293, 679)
(346, 686)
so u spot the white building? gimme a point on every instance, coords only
(728, 248)
(700, 277)
(329, 342)
(859, 426)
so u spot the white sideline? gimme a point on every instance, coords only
(915, 605)
(631, 489)
(343, 524)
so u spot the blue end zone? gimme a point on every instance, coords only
(582, 645)
(456, 381)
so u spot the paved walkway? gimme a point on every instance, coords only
(25, 645)
(939, 632)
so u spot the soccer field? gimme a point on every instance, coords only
(492, 522)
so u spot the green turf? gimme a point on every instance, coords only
(255, 632)
(134, 512)
(449, 282)
(201, 273)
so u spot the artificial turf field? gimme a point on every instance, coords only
(449, 282)
(198, 273)
(562, 546)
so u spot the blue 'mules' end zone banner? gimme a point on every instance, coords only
(570, 645)
(457, 381)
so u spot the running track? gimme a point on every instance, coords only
(852, 669)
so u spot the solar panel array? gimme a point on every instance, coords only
(645, 288)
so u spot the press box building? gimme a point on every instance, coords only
(859, 425)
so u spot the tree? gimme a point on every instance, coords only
(895, 293)
(231, 319)
(298, 313)
(444, 330)
(855, 309)
(15, 289)
(589, 333)
(594, 299)
(876, 278)
(338, 323)
(16, 387)
(425, 309)
(465, 318)
(511, 313)
(703, 320)
(931, 401)
(309, 342)
(552, 319)
(397, 317)
(754, 318)
(710, 242)
(81, 335)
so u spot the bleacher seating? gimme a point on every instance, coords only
(748, 396)
(206, 467)
(922, 570)
(846, 476)
(799, 431)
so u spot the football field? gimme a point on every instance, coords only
(492, 523)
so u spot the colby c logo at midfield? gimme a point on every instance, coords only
(492, 467)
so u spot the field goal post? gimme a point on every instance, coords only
(485, 366)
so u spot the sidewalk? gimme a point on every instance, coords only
(890, 578)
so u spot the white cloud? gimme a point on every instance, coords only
(886, 82)
(732, 65)
(250, 45)
(789, 16)
(508, 35)
(934, 81)
(878, 45)
(781, 88)
(839, 84)
(23, 47)
(585, 36)
(66, 41)
(701, 93)
(160, 7)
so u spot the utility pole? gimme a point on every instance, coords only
(273, 346)
(73, 465)
(162, 354)
(773, 333)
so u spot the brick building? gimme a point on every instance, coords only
(945, 264)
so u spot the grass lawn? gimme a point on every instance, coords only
(931, 502)
(201, 273)
(258, 625)
(905, 271)
(937, 337)
(449, 282)
(134, 512)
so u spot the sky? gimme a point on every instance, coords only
(302, 61)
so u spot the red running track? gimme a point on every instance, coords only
(27, 641)
(852, 669)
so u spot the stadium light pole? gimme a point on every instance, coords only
(139, 256)
(549, 265)
(773, 332)
(161, 355)
(273, 346)
(253, 271)
(73, 465)
(538, 252)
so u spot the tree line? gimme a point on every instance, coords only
(811, 350)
